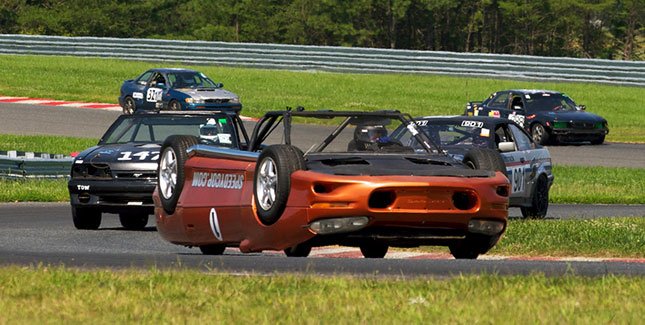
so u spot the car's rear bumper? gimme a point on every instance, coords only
(112, 196)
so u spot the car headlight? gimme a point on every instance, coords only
(194, 101)
(235, 100)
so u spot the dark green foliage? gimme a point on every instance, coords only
(611, 29)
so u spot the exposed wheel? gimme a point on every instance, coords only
(272, 180)
(486, 159)
(133, 220)
(174, 105)
(212, 249)
(129, 106)
(171, 169)
(374, 250)
(86, 218)
(300, 250)
(540, 200)
(598, 140)
(540, 134)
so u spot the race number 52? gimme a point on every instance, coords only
(154, 94)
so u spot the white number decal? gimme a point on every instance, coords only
(517, 180)
(154, 95)
(472, 124)
(127, 155)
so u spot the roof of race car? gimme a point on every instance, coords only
(146, 113)
(485, 119)
(532, 91)
(167, 70)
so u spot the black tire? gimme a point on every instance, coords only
(174, 105)
(300, 250)
(486, 159)
(133, 220)
(170, 171)
(598, 140)
(129, 106)
(272, 180)
(472, 246)
(539, 202)
(540, 134)
(86, 218)
(212, 249)
(374, 250)
(463, 253)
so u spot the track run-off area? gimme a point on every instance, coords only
(33, 233)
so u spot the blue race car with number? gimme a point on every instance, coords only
(176, 89)
(549, 116)
(526, 163)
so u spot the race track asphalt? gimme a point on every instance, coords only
(35, 233)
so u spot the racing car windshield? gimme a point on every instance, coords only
(189, 79)
(550, 102)
(457, 133)
(212, 129)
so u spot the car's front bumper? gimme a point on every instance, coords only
(573, 134)
(233, 107)
(112, 196)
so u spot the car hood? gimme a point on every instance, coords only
(206, 93)
(122, 156)
(574, 116)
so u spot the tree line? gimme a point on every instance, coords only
(607, 29)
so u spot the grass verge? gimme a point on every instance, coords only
(60, 295)
(93, 79)
(602, 237)
(598, 185)
(45, 143)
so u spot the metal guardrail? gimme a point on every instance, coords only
(27, 165)
(335, 59)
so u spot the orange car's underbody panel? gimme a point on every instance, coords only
(216, 204)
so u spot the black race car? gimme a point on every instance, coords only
(526, 164)
(119, 174)
(549, 116)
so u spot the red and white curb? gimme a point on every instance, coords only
(351, 252)
(55, 102)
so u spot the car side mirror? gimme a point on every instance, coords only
(582, 107)
(161, 85)
(220, 85)
(506, 146)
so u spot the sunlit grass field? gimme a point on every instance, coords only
(88, 79)
(63, 296)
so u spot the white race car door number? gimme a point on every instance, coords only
(517, 179)
(154, 94)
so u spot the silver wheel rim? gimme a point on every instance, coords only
(538, 133)
(167, 173)
(267, 183)
(129, 106)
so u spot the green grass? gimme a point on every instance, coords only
(598, 185)
(62, 296)
(602, 237)
(45, 143)
(70, 78)
(33, 190)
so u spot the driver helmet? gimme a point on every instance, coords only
(368, 134)
(209, 130)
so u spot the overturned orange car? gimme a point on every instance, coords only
(343, 181)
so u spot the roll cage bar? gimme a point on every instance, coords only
(272, 119)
